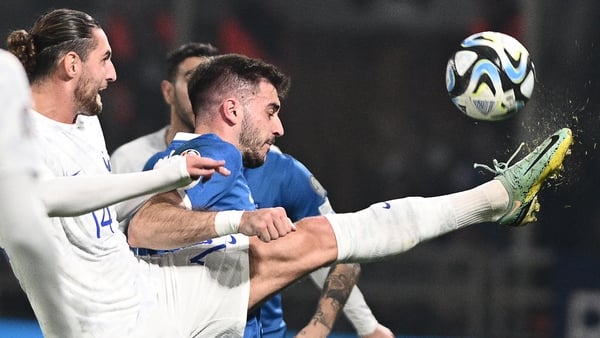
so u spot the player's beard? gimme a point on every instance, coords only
(87, 97)
(251, 144)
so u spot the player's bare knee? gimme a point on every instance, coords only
(319, 236)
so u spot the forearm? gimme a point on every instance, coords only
(162, 223)
(355, 307)
(336, 289)
(76, 195)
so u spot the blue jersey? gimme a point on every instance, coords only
(284, 182)
(219, 192)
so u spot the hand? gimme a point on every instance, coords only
(267, 224)
(205, 167)
(380, 332)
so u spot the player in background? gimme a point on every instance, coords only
(114, 294)
(236, 101)
(180, 62)
(131, 157)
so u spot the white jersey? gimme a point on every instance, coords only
(100, 276)
(114, 293)
(133, 155)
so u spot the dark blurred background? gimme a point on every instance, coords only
(370, 117)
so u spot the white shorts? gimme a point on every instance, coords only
(203, 290)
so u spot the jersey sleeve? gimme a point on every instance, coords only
(157, 157)
(219, 192)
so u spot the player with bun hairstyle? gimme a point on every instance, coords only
(40, 254)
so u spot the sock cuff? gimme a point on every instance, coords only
(343, 245)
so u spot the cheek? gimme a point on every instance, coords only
(182, 93)
(264, 127)
(181, 90)
(98, 79)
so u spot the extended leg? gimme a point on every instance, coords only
(392, 227)
(383, 229)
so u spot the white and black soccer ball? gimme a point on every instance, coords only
(490, 77)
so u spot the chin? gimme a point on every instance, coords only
(92, 109)
(254, 162)
(98, 105)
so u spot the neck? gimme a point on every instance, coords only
(53, 100)
(226, 133)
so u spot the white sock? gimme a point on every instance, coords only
(389, 228)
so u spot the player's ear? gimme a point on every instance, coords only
(168, 91)
(231, 111)
(70, 65)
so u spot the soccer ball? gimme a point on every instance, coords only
(490, 77)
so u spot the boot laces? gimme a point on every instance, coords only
(499, 167)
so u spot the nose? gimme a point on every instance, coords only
(111, 72)
(277, 127)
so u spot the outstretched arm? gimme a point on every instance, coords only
(164, 223)
(76, 195)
